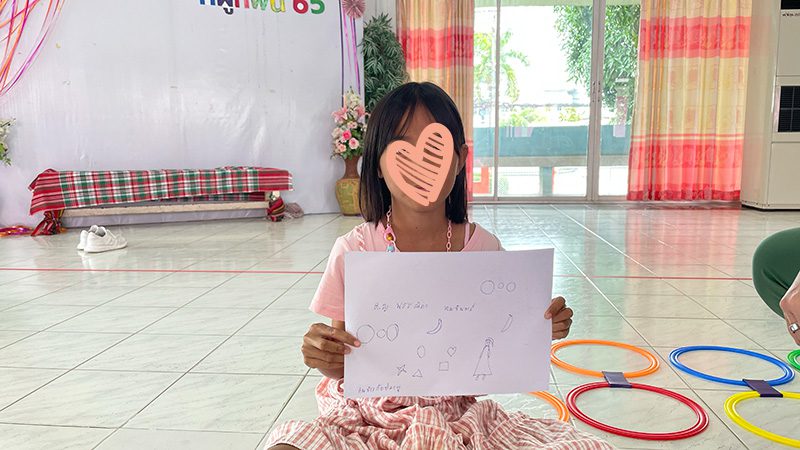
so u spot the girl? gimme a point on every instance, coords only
(395, 222)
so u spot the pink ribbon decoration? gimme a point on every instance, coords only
(15, 22)
(351, 44)
(354, 8)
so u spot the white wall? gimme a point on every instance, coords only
(377, 7)
(154, 84)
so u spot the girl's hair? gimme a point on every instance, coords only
(388, 122)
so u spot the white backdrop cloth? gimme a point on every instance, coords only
(156, 84)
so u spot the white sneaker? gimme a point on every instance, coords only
(104, 241)
(85, 236)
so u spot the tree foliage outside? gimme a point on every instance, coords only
(485, 70)
(574, 26)
(384, 62)
(523, 117)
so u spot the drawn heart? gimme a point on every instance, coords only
(451, 351)
(420, 170)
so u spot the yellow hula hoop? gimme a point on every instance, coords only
(730, 410)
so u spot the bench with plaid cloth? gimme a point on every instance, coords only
(54, 191)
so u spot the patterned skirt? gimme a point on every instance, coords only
(406, 423)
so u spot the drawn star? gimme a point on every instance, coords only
(401, 370)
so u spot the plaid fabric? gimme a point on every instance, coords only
(412, 423)
(54, 190)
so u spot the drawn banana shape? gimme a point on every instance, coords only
(437, 328)
(509, 321)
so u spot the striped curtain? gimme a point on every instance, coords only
(688, 127)
(437, 39)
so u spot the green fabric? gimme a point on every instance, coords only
(776, 264)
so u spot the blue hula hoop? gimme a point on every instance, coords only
(788, 373)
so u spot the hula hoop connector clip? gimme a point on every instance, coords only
(764, 389)
(617, 380)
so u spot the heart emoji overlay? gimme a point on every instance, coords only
(420, 170)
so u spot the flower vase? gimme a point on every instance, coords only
(347, 188)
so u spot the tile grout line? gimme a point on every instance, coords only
(68, 371)
(283, 408)
(119, 342)
(594, 286)
(212, 350)
(187, 372)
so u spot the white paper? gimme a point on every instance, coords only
(435, 324)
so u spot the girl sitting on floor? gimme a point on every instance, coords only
(453, 422)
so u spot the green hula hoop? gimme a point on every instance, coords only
(792, 359)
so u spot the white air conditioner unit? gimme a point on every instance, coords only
(771, 164)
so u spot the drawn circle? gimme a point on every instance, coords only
(421, 351)
(788, 373)
(697, 428)
(555, 402)
(381, 334)
(511, 287)
(487, 287)
(501, 286)
(365, 334)
(392, 331)
(730, 410)
(792, 358)
(652, 368)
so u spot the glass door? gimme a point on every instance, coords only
(618, 87)
(547, 127)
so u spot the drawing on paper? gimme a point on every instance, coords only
(421, 338)
(392, 331)
(484, 367)
(365, 333)
(488, 287)
(437, 328)
(509, 321)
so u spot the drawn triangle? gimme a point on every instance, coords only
(417, 374)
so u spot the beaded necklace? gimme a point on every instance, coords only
(391, 239)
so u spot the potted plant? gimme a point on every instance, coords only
(348, 135)
(384, 62)
(5, 128)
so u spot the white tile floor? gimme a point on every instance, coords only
(117, 350)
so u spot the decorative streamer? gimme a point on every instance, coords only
(341, 44)
(15, 231)
(350, 38)
(15, 22)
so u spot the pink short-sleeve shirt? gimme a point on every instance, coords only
(329, 298)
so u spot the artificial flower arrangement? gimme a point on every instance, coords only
(351, 126)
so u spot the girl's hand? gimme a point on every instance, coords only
(324, 347)
(790, 304)
(562, 317)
